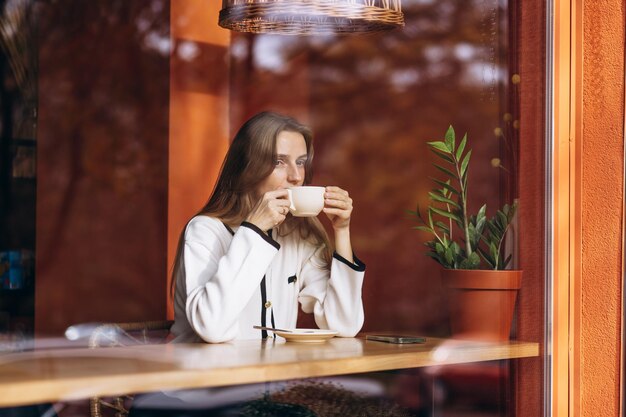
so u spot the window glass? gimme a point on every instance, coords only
(90, 93)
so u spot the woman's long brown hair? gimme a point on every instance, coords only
(249, 160)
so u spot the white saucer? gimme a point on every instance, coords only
(307, 335)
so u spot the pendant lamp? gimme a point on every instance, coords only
(310, 17)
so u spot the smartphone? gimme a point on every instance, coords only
(390, 338)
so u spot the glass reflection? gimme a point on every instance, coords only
(103, 107)
(373, 102)
(102, 94)
(18, 149)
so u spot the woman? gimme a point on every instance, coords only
(243, 260)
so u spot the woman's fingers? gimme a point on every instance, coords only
(279, 203)
(333, 189)
(282, 206)
(281, 194)
(337, 197)
(282, 209)
(344, 204)
(336, 193)
(335, 211)
(278, 200)
(338, 206)
(271, 210)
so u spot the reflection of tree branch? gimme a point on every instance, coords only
(102, 138)
(14, 40)
(74, 176)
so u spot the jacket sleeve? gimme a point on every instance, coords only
(221, 280)
(334, 297)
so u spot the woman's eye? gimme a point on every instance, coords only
(278, 162)
(301, 163)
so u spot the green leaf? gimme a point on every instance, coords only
(446, 171)
(487, 258)
(493, 251)
(430, 244)
(443, 227)
(423, 228)
(439, 192)
(440, 146)
(513, 209)
(465, 162)
(503, 220)
(473, 235)
(430, 218)
(450, 138)
(480, 225)
(432, 255)
(449, 255)
(482, 212)
(447, 186)
(445, 213)
(419, 214)
(442, 199)
(456, 248)
(494, 229)
(472, 262)
(459, 151)
(443, 156)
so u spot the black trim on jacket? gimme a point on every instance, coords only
(267, 238)
(357, 265)
(263, 301)
(228, 228)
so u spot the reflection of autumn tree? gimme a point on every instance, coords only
(103, 135)
(103, 125)
(373, 102)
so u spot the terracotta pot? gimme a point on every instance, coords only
(481, 302)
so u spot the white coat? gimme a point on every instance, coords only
(219, 281)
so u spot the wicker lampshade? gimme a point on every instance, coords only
(309, 17)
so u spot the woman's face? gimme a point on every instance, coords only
(291, 156)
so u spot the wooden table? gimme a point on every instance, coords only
(66, 374)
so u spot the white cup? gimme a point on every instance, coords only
(306, 201)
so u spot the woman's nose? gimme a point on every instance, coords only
(294, 175)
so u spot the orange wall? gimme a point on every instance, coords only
(198, 111)
(594, 181)
(602, 204)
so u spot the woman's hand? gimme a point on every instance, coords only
(270, 211)
(338, 207)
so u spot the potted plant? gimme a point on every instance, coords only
(470, 248)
